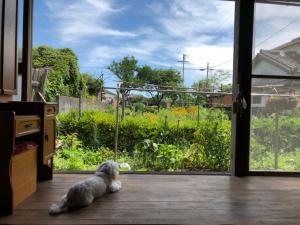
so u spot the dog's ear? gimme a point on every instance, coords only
(106, 168)
(110, 168)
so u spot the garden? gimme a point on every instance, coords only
(174, 136)
(174, 139)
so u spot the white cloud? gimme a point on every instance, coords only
(215, 55)
(79, 20)
(201, 29)
(189, 18)
(275, 25)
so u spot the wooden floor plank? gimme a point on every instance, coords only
(172, 199)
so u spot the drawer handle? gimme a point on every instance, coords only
(28, 125)
(46, 137)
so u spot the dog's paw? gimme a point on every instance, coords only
(115, 186)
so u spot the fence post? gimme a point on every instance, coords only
(166, 121)
(117, 124)
(123, 105)
(198, 112)
(80, 103)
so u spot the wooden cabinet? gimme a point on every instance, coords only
(33, 123)
(8, 47)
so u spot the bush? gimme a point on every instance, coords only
(97, 129)
(71, 155)
(181, 142)
(211, 150)
(152, 156)
(263, 141)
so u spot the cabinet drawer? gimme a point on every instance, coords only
(27, 125)
(50, 109)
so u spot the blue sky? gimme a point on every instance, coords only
(156, 32)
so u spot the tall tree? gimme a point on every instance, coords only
(214, 82)
(125, 70)
(64, 77)
(159, 79)
(93, 85)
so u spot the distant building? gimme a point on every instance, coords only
(283, 60)
(107, 97)
(220, 101)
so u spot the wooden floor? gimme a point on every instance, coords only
(170, 199)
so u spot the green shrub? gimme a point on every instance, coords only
(152, 156)
(211, 150)
(182, 142)
(71, 155)
(97, 129)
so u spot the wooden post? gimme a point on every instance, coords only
(198, 111)
(123, 106)
(276, 152)
(166, 121)
(26, 67)
(80, 103)
(117, 125)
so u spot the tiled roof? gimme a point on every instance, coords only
(286, 60)
(289, 61)
(295, 41)
(283, 57)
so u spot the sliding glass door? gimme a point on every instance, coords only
(275, 88)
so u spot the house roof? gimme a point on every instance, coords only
(288, 61)
(295, 41)
(281, 57)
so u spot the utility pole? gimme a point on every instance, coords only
(183, 61)
(207, 69)
(207, 72)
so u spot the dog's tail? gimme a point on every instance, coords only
(58, 208)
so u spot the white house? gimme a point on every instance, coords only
(283, 60)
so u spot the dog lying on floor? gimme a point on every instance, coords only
(84, 192)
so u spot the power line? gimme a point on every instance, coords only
(268, 38)
(197, 57)
(221, 64)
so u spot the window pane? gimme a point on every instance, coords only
(276, 44)
(275, 125)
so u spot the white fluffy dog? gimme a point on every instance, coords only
(84, 192)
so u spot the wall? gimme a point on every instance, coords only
(69, 103)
